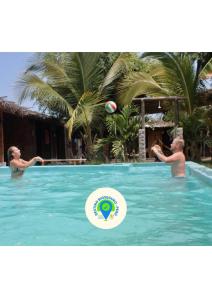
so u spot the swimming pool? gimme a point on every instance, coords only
(46, 206)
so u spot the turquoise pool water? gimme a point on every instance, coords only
(46, 206)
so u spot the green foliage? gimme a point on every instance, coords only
(74, 87)
(68, 86)
(174, 74)
(168, 74)
(122, 132)
(197, 130)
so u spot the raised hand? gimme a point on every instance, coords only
(156, 148)
(38, 158)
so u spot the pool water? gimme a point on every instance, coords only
(46, 206)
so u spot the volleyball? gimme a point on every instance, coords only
(110, 107)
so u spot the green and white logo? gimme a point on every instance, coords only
(106, 208)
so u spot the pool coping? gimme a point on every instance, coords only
(202, 172)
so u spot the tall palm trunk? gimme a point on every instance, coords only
(88, 137)
(88, 142)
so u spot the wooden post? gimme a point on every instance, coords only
(68, 150)
(176, 103)
(142, 135)
(143, 114)
(178, 132)
(1, 138)
(65, 143)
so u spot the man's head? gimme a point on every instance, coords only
(177, 144)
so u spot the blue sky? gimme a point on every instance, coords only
(12, 64)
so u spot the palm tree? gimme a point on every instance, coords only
(73, 87)
(173, 74)
(66, 85)
(170, 74)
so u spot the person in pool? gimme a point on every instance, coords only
(17, 164)
(177, 159)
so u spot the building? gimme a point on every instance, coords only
(34, 133)
(158, 132)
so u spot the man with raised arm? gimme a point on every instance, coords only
(177, 159)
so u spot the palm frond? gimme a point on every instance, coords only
(119, 67)
(84, 71)
(139, 83)
(118, 149)
(180, 75)
(55, 75)
(100, 143)
(84, 113)
(32, 87)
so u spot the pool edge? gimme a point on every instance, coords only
(202, 172)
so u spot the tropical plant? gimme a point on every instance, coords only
(66, 84)
(122, 67)
(172, 74)
(197, 130)
(73, 87)
(122, 133)
(169, 74)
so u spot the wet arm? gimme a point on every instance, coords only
(29, 163)
(22, 164)
(170, 159)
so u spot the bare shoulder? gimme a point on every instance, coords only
(13, 163)
(181, 155)
(17, 163)
(23, 161)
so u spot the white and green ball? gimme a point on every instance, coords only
(110, 107)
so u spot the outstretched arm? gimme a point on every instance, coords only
(22, 164)
(172, 158)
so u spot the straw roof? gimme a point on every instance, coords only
(158, 124)
(15, 109)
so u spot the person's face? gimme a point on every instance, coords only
(16, 152)
(174, 145)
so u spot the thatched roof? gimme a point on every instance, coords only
(15, 109)
(158, 124)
